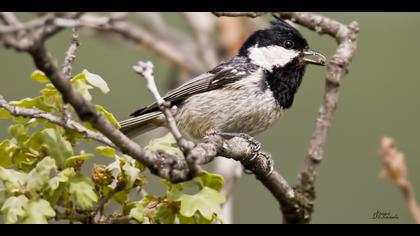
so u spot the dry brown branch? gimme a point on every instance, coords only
(395, 169)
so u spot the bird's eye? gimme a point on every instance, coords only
(288, 44)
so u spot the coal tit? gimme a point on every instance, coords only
(244, 94)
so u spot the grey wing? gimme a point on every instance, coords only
(193, 86)
(226, 72)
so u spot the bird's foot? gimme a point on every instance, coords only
(255, 144)
(251, 164)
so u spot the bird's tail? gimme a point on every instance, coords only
(141, 124)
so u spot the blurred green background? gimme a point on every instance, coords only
(380, 96)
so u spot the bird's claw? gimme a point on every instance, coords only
(270, 164)
(251, 164)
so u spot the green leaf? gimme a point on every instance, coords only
(137, 212)
(83, 157)
(61, 177)
(14, 208)
(14, 181)
(106, 151)
(4, 114)
(52, 97)
(19, 132)
(38, 212)
(108, 115)
(4, 195)
(195, 219)
(29, 151)
(186, 220)
(207, 202)
(7, 150)
(82, 88)
(129, 169)
(165, 214)
(121, 197)
(174, 192)
(96, 81)
(39, 176)
(39, 76)
(83, 191)
(49, 90)
(56, 146)
(166, 143)
(211, 180)
(37, 102)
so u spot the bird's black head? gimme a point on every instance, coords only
(283, 53)
(278, 46)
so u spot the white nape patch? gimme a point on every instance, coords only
(271, 56)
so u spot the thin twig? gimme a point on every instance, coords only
(236, 14)
(70, 55)
(14, 26)
(10, 19)
(139, 35)
(145, 69)
(395, 169)
(67, 66)
(70, 124)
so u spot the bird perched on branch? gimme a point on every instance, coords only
(244, 94)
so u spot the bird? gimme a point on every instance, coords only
(245, 94)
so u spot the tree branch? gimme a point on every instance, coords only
(70, 55)
(146, 70)
(140, 35)
(395, 169)
(236, 14)
(70, 124)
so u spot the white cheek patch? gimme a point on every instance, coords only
(271, 56)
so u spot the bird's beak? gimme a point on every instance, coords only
(320, 59)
